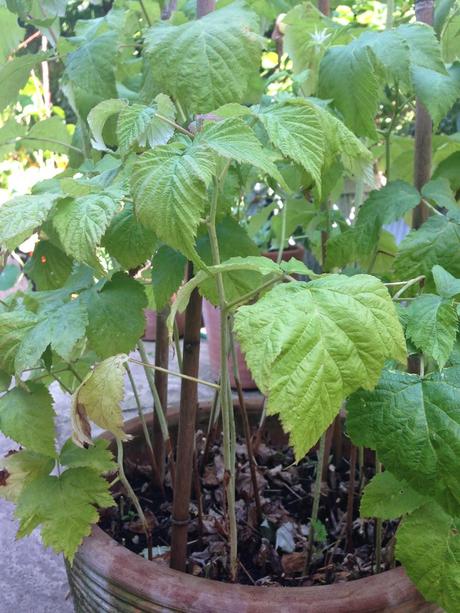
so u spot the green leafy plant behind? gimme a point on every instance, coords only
(178, 147)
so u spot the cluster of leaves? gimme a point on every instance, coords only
(176, 117)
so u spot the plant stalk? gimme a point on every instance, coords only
(181, 375)
(186, 433)
(378, 528)
(316, 500)
(351, 498)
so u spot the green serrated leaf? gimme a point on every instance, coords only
(206, 63)
(140, 124)
(20, 216)
(14, 326)
(294, 127)
(98, 398)
(169, 186)
(386, 497)
(348, 76)
(437, 241)
(14, 75)
(98, 117)
(8, 276)
(432, 326)
(48, 267)
(65, 506)
(428, 545)
(62, 328)
(128, 241)
(21, 468)
(48, 134)
(310, 345)
(81, 222)
(96, 456)
(27, 417)
(446, 285)
(168, 270)
(234, 139)
(115, 314)
(419, 416)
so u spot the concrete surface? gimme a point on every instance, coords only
(32, 578)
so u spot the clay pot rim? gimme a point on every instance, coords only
(100, 553)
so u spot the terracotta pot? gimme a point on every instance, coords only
(150, 333)
(107, 577)
(211, 316)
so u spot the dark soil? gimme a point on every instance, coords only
(273, 553)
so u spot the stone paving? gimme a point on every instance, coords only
(32, 578)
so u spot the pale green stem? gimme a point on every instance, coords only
(174, 374)
(283, 233)
(316, 499)
(130, 491)
(46, 140)
(140, 410)
(378, 529)
(228, 424)
(407, 285)
(159, 412)
(176, 337)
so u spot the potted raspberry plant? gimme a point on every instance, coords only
(174, 122)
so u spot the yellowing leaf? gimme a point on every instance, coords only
(99, 398)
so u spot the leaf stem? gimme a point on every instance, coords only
(175, 125)
(45, 140)
(279, 257)
(252, 293)
(132, 495)
(159, 412)
(145, 430)
(146, 15)
(174, 374)
(228, 418)
(407, 285)
(316, 499)
(176, 337)
(378, 528)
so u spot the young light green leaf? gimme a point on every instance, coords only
(436, 90)
(96, 456)
(48, 267)
(348, 76)
(428, 545)
(65, 506)
(208, 62)
(234, 139)
(437, 241)
(81, 223)
(21, 468)
(99, 397)
(113, 327)
(61, 327)
(27, 417)
(98, 117)
(386, 497)
(439, 192)
(420, 416)
(128, 241)
(294, 127)
(432, 326)
(168, 270)
(169, 186)
(446, 285)
(142, 125)
(309, 345)
(20, 216)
